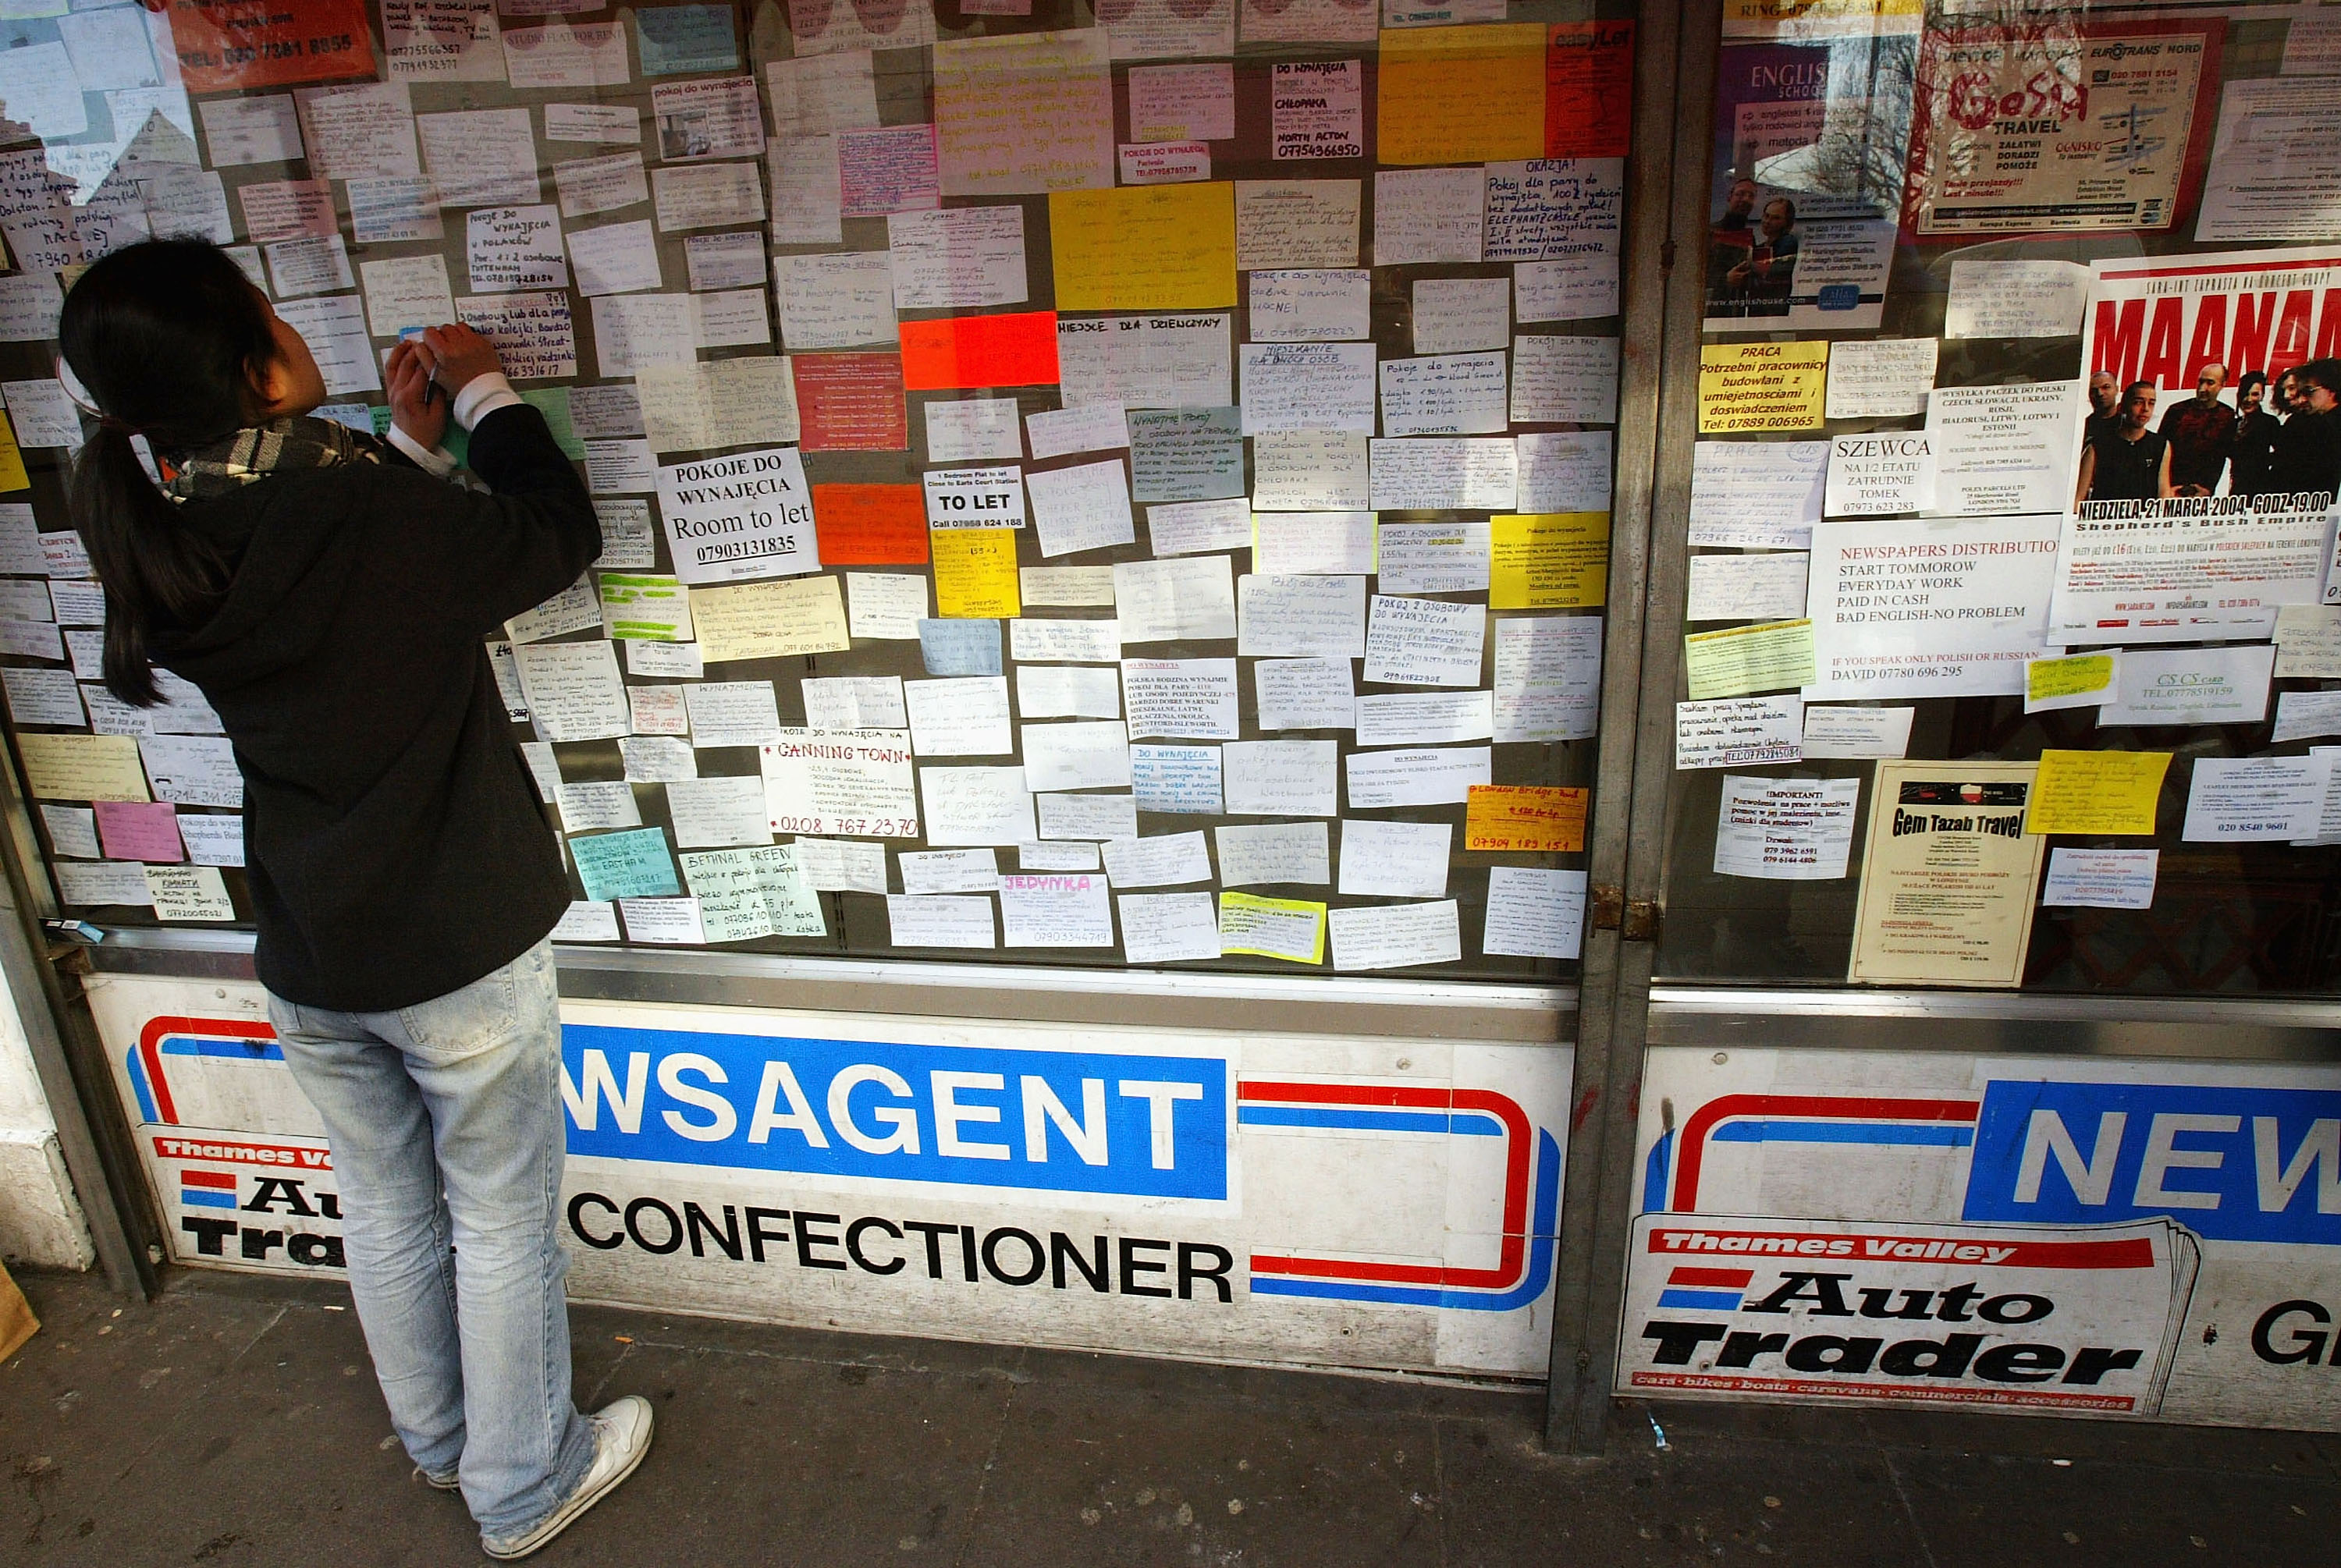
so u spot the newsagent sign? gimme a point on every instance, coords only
(1164, 1190)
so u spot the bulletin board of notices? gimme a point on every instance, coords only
(1126, 486)
(2013, 617)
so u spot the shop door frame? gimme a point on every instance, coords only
(1662, 277)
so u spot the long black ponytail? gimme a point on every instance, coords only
(164, 336)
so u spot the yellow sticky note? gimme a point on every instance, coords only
(1145, 247)
(82, 767)
(1293, 930)
(1549, 561)
(2057, 682)
(1771, 655)
(12, 465)
(975, 573)
(2096, 792)
(1461, 95)
(1746, 389)
(789, 615)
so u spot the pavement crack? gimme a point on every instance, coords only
(594, 1400)
(983, 1478)
(1894, 1473)
(1439, 1480)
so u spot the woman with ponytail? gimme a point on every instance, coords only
(330, 595)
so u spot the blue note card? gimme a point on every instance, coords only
(630, 865)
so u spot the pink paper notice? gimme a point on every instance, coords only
(138, 831)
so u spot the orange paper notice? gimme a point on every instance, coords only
(1461, 94)
(871, 524)
(970, 351)
(1524, 817)
(223, 44)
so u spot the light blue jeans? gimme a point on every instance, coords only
(447, 1143)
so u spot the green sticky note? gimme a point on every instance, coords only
(456, 443)
(1772, 656)
(676, 40)
(553, 402)
(645, 609)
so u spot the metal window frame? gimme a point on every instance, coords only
(69, 1059)
(1666, 216)
(1156, 999)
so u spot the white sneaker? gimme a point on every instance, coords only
(621, 1435)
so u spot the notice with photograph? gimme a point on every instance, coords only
(1948, 875)
(2109, 156)
(1800, 275)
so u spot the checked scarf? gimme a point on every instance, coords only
(281, 445)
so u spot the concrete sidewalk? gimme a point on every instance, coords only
(235, 1422)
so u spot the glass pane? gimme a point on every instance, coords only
(1101, 489)
(2008, 643)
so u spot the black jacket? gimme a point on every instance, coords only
(395, 848)
(2255, 456)
(2306, 453)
